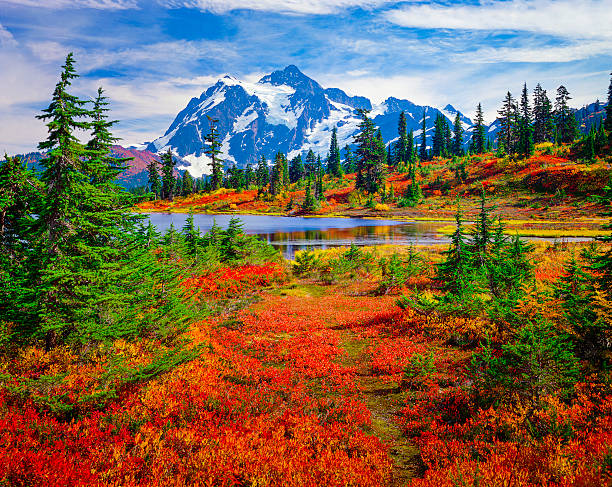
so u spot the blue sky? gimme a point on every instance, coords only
(152, 56)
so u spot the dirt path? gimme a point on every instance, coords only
(383, 399)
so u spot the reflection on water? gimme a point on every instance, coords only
(291, 234)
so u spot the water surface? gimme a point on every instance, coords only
(290, 234)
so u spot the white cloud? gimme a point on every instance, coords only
(542, 54)
(161, 54)
(6, 38)
(566, 18)
(378, 88)
(300, 7)
(58, 4)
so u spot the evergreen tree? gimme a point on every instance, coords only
(311, 163)
(349, 162)
(410, 152)
(191, 235)
(600, 139)
(506, 121)
(479, 136)
(249, 175)
(188, 184)
(263, 173)
(102, 164)
(20, 193)
(371, 155)
(454, 271)
(334, 166)
(448, 138)
(526, 145)
(423, 150)
(277, 177)
(608, 121)
(402, 145)
(154, 183)
(285, 171)
(213, 151)
(309, 203)
(542, 116)
(296, 169)
(81, 240)
(168, 180)
(564, 118)
(318, 193)
(178, 185)
(458, 136)
(438, 137)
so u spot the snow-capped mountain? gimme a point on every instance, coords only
(284, 111)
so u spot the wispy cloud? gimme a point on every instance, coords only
(300, 7)
(571, 19)
(58, 4)
(6, 38)
(538, 54)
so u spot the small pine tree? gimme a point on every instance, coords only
(454, 272)
(213, 151)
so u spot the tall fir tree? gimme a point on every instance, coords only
(507, 123)
(84, 262)
(320, 171)
(542, 116)
(402, 145)
(168, 181)
(608, 121)
(334, 165)
(188, 184)
(437, 144)
(410, 152)
(277, 178)
(458, 136)
(213, 151)
(349, 161)
(564, 118)
(153, 178)
(423, 149)
(104, 166)
(263, 173)
(526, 144)
(310, 166)
(296, 169)
(479, 136)
(371, 155)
